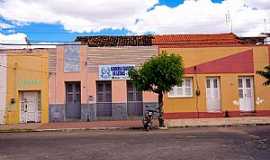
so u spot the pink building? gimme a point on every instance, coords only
(90, 83)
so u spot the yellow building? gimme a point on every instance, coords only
(220, 82)
(27, 86)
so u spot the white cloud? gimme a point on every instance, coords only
(18, 38)
(260, 4)
(5, 26)
(79, 16)
(17, 41)
(201, 16)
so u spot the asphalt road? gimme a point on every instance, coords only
(231, 143)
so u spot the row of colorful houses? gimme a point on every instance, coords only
(88, 80)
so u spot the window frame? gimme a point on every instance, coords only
(104, 92)
(184, 87)
(137, 96)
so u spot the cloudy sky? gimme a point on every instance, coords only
(63, 20)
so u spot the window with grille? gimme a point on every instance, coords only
(104, 98)
(134, 100)
(104, 91)
(132, 93)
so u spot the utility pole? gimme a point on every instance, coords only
(229, 21)
(265, 25)
(28, 44)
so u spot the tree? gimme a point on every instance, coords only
(159, 75)
(265, 74)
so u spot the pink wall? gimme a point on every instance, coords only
(57, 95)
(150, 97)
(91, 81)
(88, 82)
(119, 91)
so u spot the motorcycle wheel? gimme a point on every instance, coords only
(148, 128)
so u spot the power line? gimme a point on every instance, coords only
(42, 44)
(76, 43)
(25, 69)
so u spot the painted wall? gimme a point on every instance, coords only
(120, 55)
(88, 74)
(27, 71)
(57, 80)
(227, 63)
(90, 59)
(3, 86)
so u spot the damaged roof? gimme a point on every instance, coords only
(169, 40)
(110, 41)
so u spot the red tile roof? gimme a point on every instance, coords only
(182, 40)
(167, 41)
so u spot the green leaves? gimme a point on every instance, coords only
(265, 74)
(159, 74)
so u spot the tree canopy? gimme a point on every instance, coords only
(265, 74)
(159, 74)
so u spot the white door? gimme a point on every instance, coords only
(246, 94)
(213, 94)
(30, 102)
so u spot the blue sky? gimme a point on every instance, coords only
(39, 32)
(174, 3)
(56, 31)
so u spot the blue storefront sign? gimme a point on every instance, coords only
(114, 72)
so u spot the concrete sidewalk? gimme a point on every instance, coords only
(208, 122)
(61, 126)
(129, 124)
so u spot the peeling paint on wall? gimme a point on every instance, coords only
(72, 58)
(31, 75)
(30, 82)
(236, 102)
(259, 100)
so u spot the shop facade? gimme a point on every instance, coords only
(220, 82)
(91, 83)
(26, 86)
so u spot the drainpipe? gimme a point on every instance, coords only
(197, 92)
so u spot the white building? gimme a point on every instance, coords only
(3, 86)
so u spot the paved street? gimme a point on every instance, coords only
(231, 143)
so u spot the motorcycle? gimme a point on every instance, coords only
(148, 119)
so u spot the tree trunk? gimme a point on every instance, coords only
(160, 108)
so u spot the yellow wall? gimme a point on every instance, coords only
(228, 81)
(261, 59)
(27, 71)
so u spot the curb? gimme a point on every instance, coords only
(220, 125)
(14, 130)
(68, 129)
(230, 122)
(78, 129)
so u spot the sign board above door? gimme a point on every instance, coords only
(114, 71)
